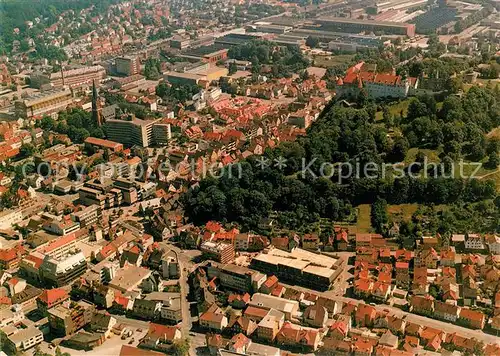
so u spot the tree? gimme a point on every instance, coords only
(181, 348)
(47, 123)
(152, 69)
(379, 217)
(493, 161)
(233, 68)
(60, 353)
(27, 150)
(312, 41)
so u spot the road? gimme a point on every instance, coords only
(417, 319)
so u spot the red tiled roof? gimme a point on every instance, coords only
(162, 331)
(51, 296)
(57, 243)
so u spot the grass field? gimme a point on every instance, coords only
(495, 133)
(364, 225)
(332, 61)
(395, 109)
(402, 211)
(432, 155)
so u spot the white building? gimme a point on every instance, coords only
(474, 242)
(493, 242)
(10, 314)
(9, 218)
(25, 339)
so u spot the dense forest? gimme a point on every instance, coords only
(352, 135)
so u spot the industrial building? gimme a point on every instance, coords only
(78, 77)
(44, 103)
(341, 24)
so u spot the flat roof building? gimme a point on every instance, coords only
(43, 103)
(136, 132)
(342, 24)
(300, 266)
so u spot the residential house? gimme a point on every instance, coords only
(50, 298)
(389, 339)
(270, 325)
(102, 323)
(493, 243)
(315, 315)
(446, 311)
(402, 274)
(239, 344)
(239, 301)
(427, 257)
(146, 309)
(365, 315)
(242, 324)
(161, 336)
(381, 291)
(396, 325)
(340, 327)
(213, 321)
(310, 242)
(448, 257)
(293, 335)
(422, 304)
(363, 287)
(268, 286)
(472, 318)
(474, 242)
(420, 285)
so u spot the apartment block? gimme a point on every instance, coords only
(219, 251)
(88, 216)
(128, 65)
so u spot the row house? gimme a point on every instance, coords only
(402, 274)
(472, 318)
(474, 242)
(447, 257)
(426, 258)
(420, 284)
(422, 304)
(446, 311)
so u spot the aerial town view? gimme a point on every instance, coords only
(249, 177)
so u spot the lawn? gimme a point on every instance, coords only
(364, 225)
(332, 61)
(411, 155)
(401, 211)
(395, 109)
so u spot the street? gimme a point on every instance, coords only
(414, 318)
